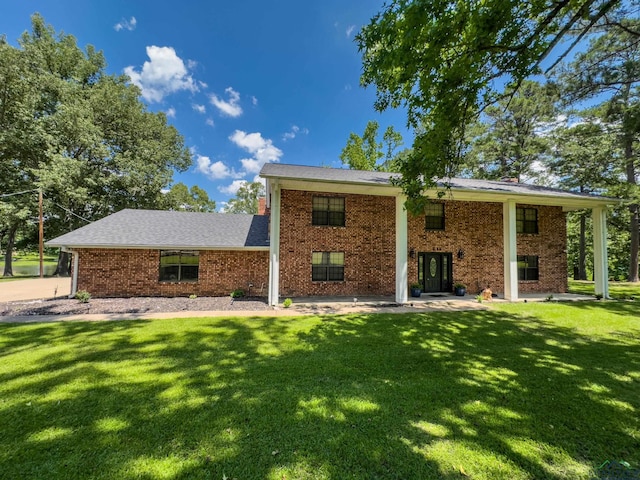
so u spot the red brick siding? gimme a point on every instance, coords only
(132, 272)
(476, 228)
(367, 240)
(550, 245)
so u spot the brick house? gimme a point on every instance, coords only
(341, 232)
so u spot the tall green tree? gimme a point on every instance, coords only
(246, 199)
(441, 60)
(82, 136)
(193, 199)
(510, 138)
(584, 159)
(609, 70)
(367, 153)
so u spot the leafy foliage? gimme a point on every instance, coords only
(509, 140)
(193, 199)
(441, 60)
(365, 152)
(82, 136)
(246, 199)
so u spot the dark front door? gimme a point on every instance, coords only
(434, 271)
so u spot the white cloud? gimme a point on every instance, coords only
(163, 74)
(214, 170)
(262, 150)
(171, 112)
(350, 30)
(229, 108)
(125, 24)
(199, 108)
(210, 122)
(254, 100)
(251, 165)
(293, 133)
(233, 188)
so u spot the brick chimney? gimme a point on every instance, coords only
(262, 206)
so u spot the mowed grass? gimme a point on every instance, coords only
(619, 290)
(522, 391)
(27, 265)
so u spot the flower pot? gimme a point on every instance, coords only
(416, 292)
(460, 291)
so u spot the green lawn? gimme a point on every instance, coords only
(619, 290)
(27, 265)
(523, 391)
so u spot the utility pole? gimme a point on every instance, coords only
(41, 234)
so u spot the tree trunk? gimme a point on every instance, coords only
(635, 241)
(582, 249)
(64, 261)
(634, 226)
(8, 256)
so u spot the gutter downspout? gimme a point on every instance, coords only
(74, 277)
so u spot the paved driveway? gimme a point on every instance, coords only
(35, 288)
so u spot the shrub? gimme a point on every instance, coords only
(287, 302)
(237, 293)
(83, 296)
(193, 296)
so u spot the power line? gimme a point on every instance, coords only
(69, 211)
(17, 193)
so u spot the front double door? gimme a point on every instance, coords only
(434, 271)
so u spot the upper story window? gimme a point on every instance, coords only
(179, 265)
(434, 216)
(526, 220)
(328, 211)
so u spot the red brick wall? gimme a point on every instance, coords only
(474, 227)
(477, 228)
(550, 245)
(132, 272)
(367, 240)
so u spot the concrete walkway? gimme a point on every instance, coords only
(35, 288)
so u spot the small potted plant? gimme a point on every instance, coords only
(460, 289)
(416, 290)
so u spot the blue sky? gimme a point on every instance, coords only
(244, 82)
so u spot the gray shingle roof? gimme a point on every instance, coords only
(361, 177)
(162, 229)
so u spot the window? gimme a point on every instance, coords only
(328, 211)
(327, 267)
(526, 220)
(179, 265)
(527, 267)
(434, 216)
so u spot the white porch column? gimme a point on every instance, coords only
(600, 262)
(510, 250)
(274, 246)
(401, 250)
(74, 278)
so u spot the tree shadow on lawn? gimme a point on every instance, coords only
(484, 394)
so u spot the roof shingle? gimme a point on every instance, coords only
(163, 229)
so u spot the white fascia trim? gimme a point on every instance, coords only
(568, 202)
